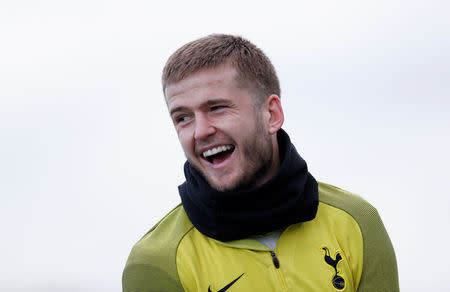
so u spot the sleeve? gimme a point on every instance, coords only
(379, 263)
(151, 265)
(146, 278)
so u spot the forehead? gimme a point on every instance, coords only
(222, 76)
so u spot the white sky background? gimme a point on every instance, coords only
(89, 160)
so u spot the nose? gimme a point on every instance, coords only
(203, 128)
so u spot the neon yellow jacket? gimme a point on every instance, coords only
(345, 248)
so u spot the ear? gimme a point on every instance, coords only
(276, 117)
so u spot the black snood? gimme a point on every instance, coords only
(289, 197)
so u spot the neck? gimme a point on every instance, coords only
(274, 165)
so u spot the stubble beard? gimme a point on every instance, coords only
(256, 162)
(258, 156)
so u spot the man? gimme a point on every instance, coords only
(252, 217)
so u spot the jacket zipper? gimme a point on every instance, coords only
(275, 260)
(276, 263)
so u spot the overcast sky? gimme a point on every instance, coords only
(89, 160)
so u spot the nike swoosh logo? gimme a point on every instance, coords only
(227, 286)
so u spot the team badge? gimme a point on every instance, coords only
(337, 281)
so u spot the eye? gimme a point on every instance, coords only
(181, 119)
(217, 107)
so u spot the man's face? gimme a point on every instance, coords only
(223, 135)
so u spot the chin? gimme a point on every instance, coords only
(233, 185)
(222, 186)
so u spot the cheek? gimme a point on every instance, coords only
(185, 141)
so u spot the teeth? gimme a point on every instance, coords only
(216, 150)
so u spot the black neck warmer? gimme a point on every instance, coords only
(290, 196)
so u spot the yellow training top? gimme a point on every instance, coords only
(345, 248)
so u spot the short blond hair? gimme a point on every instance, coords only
(252, 65)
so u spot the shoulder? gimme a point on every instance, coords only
(379, 272)
(164, 236)
(365, 215)
(356, 206)
(151, 265)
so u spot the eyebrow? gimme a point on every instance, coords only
(211, 102)
(207, 103)
(177, 109)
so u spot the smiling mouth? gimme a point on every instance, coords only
(218, 154)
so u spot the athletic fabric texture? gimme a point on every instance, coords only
(344, 248)
(238, 214)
